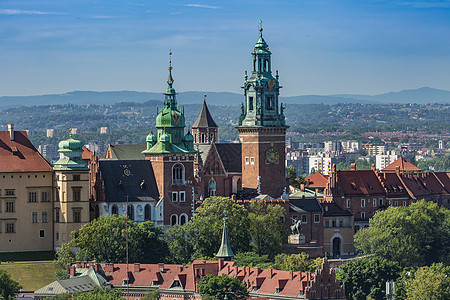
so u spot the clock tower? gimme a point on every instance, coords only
(262, 127)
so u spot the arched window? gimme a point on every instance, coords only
(114, 210)
(130, 212)
(183, 219)
(178, 174)
(173, 220)
(97, 211)
(212, 187)
(147, 212)
(203, 138)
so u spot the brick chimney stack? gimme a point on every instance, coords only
(11, 131)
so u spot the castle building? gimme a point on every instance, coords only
(26, 218)
(262, 128)
(71, 190)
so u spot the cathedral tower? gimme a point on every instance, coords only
(171, 153)
(204, 128)
(262, 128)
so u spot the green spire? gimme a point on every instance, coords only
(225, 251)
(170, 100)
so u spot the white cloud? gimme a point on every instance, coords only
(27, 12)
(202, 6)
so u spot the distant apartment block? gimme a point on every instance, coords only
(49, 151)
(104, 130)
(384, 160)
(373, 150)
(50, 132)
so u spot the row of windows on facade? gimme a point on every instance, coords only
(374, 202)
(269, 103)
(130, 211)
(75, 177)
(178, 220)
(304, 218)
(20, 176)
(76, 215)
(249, 160)
(327, 223)
(32, 196)
(35, 217)
(202, 138)
(10, 227)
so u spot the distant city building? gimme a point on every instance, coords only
(49, 151)
(97, 146)
(351, 146)
(382, 161)
(104, 130)
(373, 150)
(332, 146)
(50, 132)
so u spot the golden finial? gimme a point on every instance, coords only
(260, 27)
(170, 59)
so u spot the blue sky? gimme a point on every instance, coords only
(319, 46)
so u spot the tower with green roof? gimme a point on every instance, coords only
(72, 204)
(262, 126)
(225, 251)
(171, 153)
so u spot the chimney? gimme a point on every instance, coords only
(291, 275)
(353, 166)
(302, 187)
(270, 273)
(72, 271)
(257, 271)
(137, 268)
(221, 263)
(109, 267)
(161, 267)
(11, 131)
(397, 170)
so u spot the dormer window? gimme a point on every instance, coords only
(175, 283)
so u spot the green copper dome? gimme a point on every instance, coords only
(188, 137)
(151, 138)
(164, 138)
(70, 155)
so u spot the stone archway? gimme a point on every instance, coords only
(336, 245)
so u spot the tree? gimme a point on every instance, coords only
(430, 283)
(267, 228)
(219, 287)
(104, 239)
(153, 295)
(292, 174)
(251, 259)
(181, 244)
(96, 294)
(296, 262)
(8, 286)
(416, 235)
(207, 224)
(366, 277)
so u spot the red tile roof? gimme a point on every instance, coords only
(20, 155)
(360, 183)
(317, 180)
(403, 164)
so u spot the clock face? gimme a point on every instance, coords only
(272, 155)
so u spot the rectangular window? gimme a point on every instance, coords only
(44, 217)
(269, 103)
(317, 218)
(333, 223)
(45, 197)
(77, 215)
(252, 160)
(182, 196)
(0, 205)
(57, 236)
(327, 223)
(375, 202)
(294, 219)
(246, 160)
(76, 193)
(341, 223)
(10, 192)
(76, 177)
(381, 201)
(363, 215)
(32, 196)
(57, 215)
(349, 203)
(1, 224)
(363, 203)
(42, 233)
(34, 217)
(396, 203)
(250, 103)
(174, 196)
(10, 227)
(404, 203)
(304, 218)
(9, 206)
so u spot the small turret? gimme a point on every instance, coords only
(151, 140)
(225, 251)
(70, 152)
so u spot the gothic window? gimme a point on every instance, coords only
(178, 173)
(212, 138)
(203, 138)
(147, 212)
(173, 220)
(183, 219)
(250, 103)
(269, 103)
(114, 210)
(130, 212)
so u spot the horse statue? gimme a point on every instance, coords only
(297, 227)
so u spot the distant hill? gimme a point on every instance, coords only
(421, 96)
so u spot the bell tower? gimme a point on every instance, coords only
(262, 127)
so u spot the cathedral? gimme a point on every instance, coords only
(162, 180)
